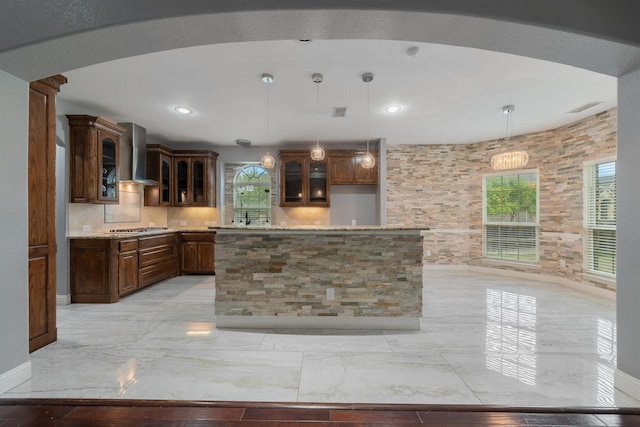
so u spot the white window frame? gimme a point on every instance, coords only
(587, 226)
(261, 215)
(535, 225)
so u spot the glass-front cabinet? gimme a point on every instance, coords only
(198, 182)
(165, 180)
(160, 169)
(185, 177)
(182, 182)
(303, 182)
(292, 181)
(195, 184)
(109, 149)
(94, 151)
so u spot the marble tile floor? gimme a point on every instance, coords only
(484, 339)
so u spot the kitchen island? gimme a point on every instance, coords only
(319, 277)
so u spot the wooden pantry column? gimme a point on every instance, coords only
(42, 211)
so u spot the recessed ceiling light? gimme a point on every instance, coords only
(304, 41)
(393, 108)
(184, 110)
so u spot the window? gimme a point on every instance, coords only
(600, 218)
(252, 196)
(511, 216)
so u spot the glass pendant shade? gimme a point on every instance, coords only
(368, 161)
(268, 161)
(509, 160)
(317, 153)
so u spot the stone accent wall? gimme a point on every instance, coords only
(440, 186)
(287, 274)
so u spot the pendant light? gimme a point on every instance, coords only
(510, 159)
(267, 161)
(368, 161)
(317, 152)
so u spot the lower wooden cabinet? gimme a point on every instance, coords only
(127, 266)
(157, 258)
(197, 253)
(95, 270)
(105, 269)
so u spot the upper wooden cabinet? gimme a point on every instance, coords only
(345, 167)
(303, 182)
(185, 177)
(94, 148)
(160, 169)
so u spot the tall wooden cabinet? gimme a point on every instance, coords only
(42, 216)
(95, 155)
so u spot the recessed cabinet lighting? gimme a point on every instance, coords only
(184, 110)
(393, 108)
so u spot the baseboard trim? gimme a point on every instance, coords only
(15, 376)
(318, 322)
(627, 384)
(594, 290)
(63, 299)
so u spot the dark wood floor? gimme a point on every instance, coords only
(150, 413)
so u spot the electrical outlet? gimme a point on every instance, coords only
(183, 223)
(562, 263)
(86, 228)
(330, 294)
(428, 252)
(353, 222)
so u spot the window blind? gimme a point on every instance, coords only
(511, 217)
(600, 218)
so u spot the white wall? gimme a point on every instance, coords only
(628, 211)
(14, 296)
(354, 202)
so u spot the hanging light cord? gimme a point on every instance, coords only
(368, 114)
(268, 136)
(317, 113)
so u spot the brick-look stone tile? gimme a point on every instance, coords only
(440, 187)
(378, 275)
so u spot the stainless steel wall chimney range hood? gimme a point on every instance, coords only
(133, 154)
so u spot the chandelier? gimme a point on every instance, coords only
(510, 159)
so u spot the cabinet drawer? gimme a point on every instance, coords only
(156, 240)
(156, 273)
(208, 236)
(128, 245)
(157, 255)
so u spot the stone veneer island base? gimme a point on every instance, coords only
(344, 278)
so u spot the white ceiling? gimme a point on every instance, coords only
(448, 94)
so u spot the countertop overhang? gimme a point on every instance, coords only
(320, 230)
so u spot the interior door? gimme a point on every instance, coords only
(42, 214)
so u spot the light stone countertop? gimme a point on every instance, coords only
(307, 229)
(108, 235)
(370, 229)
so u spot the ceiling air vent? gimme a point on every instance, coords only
(584, 107)
(339, 112)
